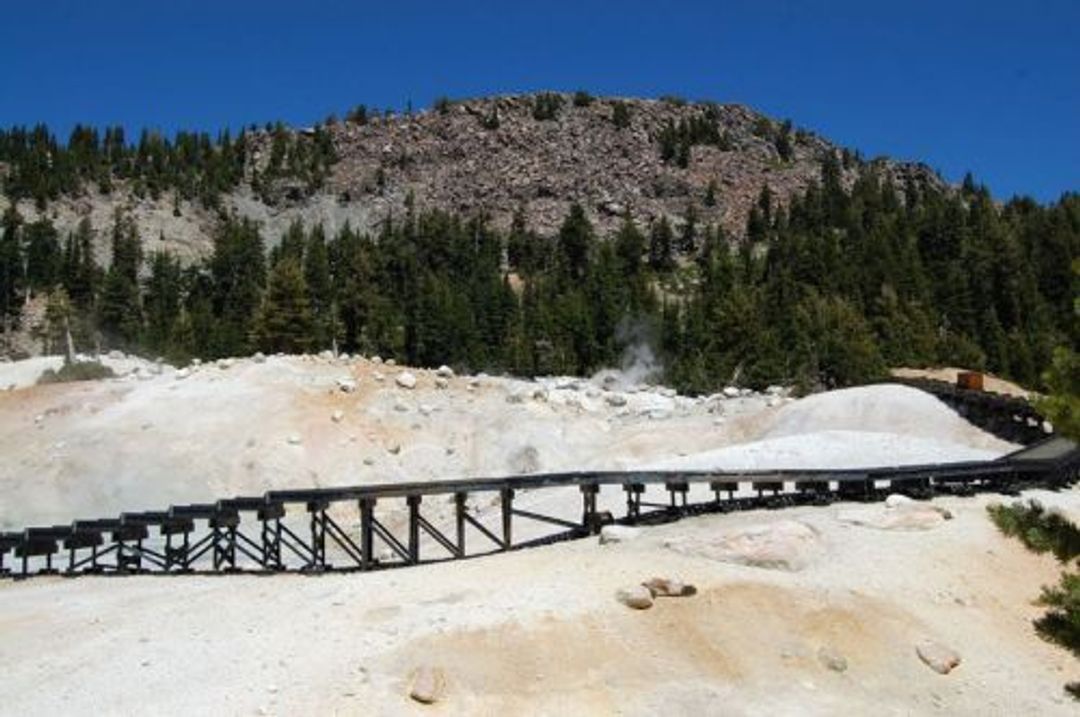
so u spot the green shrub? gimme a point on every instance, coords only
(1045, 531)
(546, 106)
(76, 371)
(582, 99)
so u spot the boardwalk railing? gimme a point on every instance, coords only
(388, 525)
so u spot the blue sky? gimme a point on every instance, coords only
(989, 86)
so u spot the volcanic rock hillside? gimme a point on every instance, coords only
(496, 156)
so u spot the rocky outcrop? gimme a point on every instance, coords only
(784, 545)
(459, 160)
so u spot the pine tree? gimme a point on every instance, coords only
(661, 246)
(11, 270)
(285, 322)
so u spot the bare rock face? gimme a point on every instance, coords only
(637, 597)
(428, 684)
(938, 657)
(783, 545)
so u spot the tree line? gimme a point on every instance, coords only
(826, 291)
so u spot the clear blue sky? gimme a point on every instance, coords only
(989, 86)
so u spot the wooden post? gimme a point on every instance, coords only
(459, 512)
(507, 517)
(367, 511)
(414, 528)
(588, 513)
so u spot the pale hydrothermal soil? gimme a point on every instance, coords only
(539, 632)
(157, 437)
(530, 632)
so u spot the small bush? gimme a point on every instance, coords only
(77, 371)
(546, 106)
(1045, 531)
(442, 105)
(620, 115)
(582, 99)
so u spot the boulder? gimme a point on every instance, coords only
(666, 587)
(441, 383)
(444, 371)
(637, 597)
(183, 373)
(346, 385)
(259, 357)
(938, 657)
(391, 362)
(731, 392)
(406, 380)
(377, 360)
(618, 534)
(116, 355)
(326, 355)
(427, 685)
(782, 545)
(615, 400)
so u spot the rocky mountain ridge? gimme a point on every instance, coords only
(536, 154)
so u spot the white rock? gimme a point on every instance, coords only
(441, 383)
(401, 407)
(731, 392)
(427, 684)
(379, 378)
(618, 533)
(326, 355)
(637, 597)
(337, 416)
(615, 399)
(183, 373)
(346, 385)
(425, 409)
(405, 380)
(117, 355)
(196, 362)
(377, 360)
(294, 440)
(391, 362)
(937, 657)
(896, 500)
(444, 371)
(259, 357)
(832, 660)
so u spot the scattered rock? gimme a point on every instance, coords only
(899, 514)
(259, 357)
(731, 392)
(394, 449)
(346, 385)
(326, 355)
(183, 373)
(666, 587)
(896, 500)
(937, 657)
(425, 409)
(294, 440)
(615, 399)
(832, 660)
(441, 383)
(379, 378)
(637, 597)
(337, 416)
(427, 685)
(401, 407)
(377, 360)
(391, 362)
(444, 371)
(618, 534)
(117, 355)
(405, 379)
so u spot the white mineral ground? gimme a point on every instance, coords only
(530, 632)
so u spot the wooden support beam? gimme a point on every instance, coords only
(367, 513)
(413, 502)
(507, 496)
(588, 507)
(459, 521)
